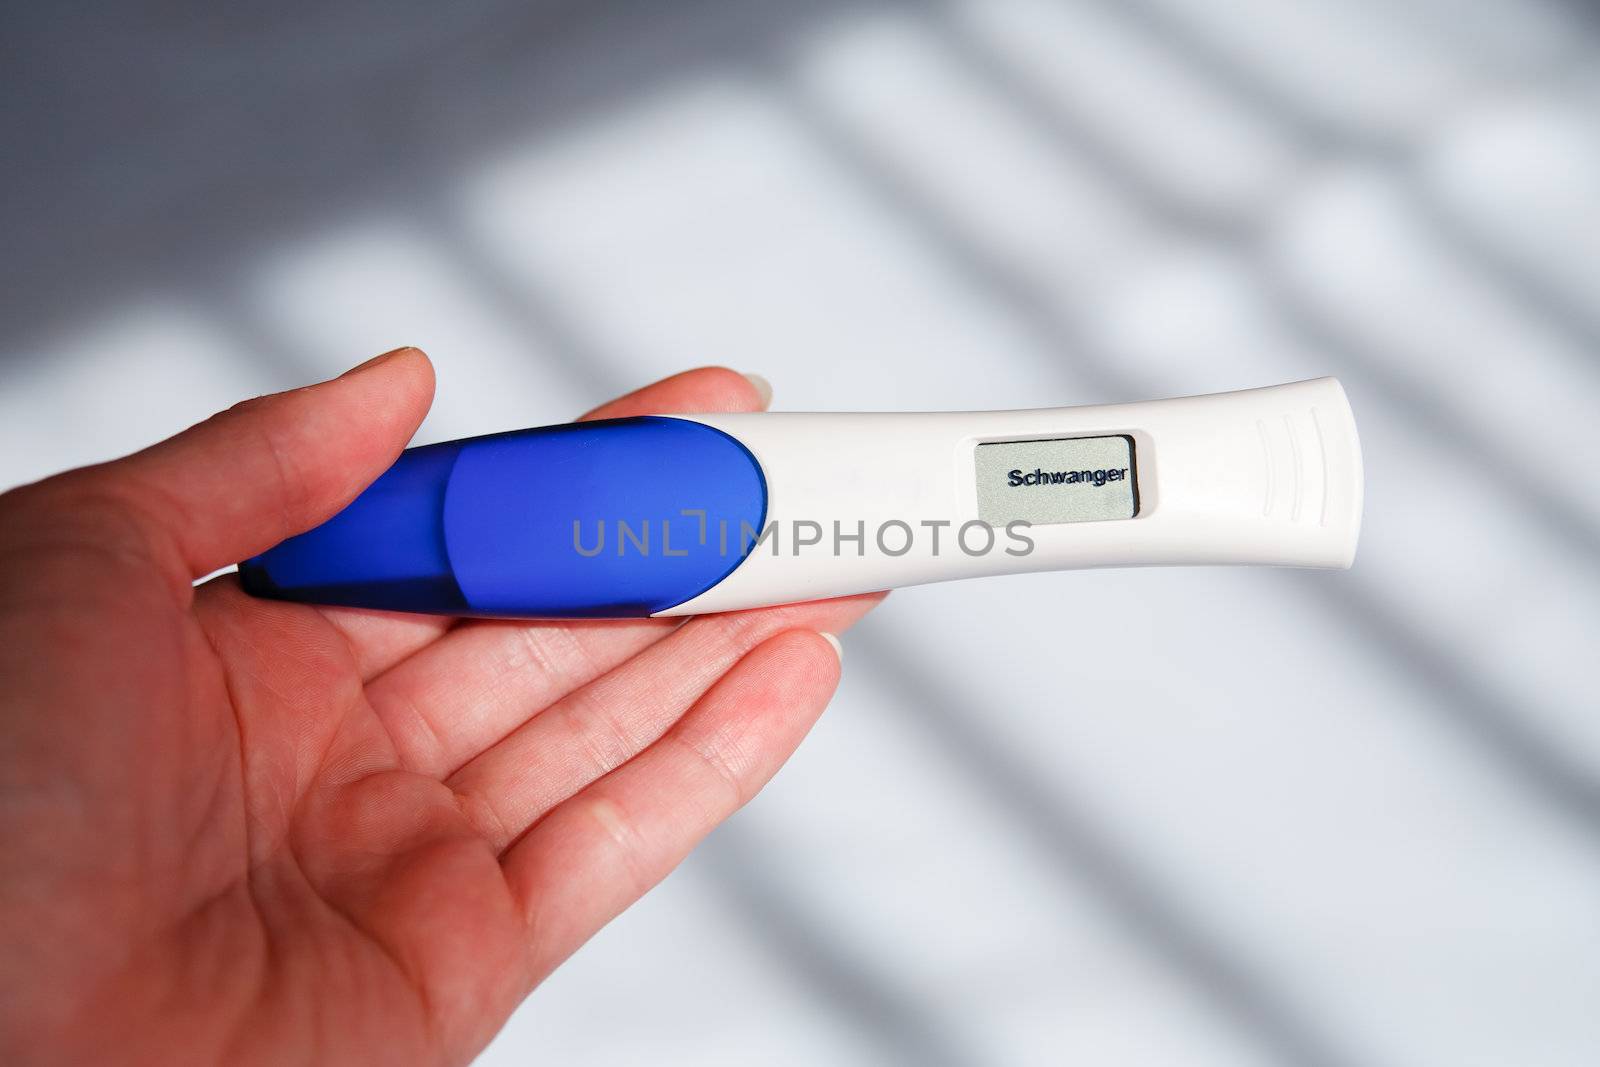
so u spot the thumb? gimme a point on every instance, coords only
(267, 468)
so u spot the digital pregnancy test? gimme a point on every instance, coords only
(685, 514)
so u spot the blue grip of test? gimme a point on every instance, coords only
(623, 517)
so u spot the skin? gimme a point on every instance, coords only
(236, 830)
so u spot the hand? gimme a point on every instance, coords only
(237, 830)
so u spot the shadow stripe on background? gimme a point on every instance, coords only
(150, 151)
(1321, 138)
(1060, 829)
(845, 983)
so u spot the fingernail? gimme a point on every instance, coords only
(375, 360)
(838, 649)
(762, 387)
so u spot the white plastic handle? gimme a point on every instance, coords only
(1261, 476)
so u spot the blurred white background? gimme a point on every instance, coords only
(1187, 817)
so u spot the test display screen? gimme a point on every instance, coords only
(1070, 479)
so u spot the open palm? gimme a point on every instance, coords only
(239, 830)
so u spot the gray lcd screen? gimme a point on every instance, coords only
(1070, 479)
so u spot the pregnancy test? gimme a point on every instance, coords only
(686, 514)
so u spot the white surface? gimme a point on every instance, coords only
(1151, 817)
(1270, 475)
